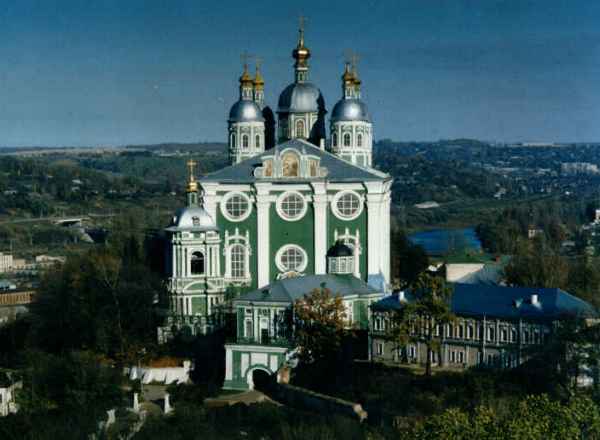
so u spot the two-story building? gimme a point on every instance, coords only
(495, 325)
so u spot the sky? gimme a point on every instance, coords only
(117, 72)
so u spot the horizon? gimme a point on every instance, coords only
(136, 74)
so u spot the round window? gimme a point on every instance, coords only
(347, 205)
(291, 258)
(291, 206)
(236, 207)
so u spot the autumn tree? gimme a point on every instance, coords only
(319, 322)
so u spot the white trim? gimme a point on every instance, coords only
(283, 215)
(285, 247)
(226, 214)
(338, 214)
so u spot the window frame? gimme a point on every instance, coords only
(279, 262)
(338, 213)
(280, 210)
(225, 211)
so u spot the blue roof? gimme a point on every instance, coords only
(289, 290)
(507, 302)
(338, 170)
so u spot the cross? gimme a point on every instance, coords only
(258, 62)
(244, 57)
(191, 165)
(354, 59)
(302, 20)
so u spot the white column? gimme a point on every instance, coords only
(385, 236)
(374, 201)
(320, 227)
(263, 243)
(173, 260)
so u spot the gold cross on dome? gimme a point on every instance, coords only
(354, 59)
(302, 23)
(258, 62)
(192, 165)
(245, 57)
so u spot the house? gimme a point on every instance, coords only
(495, 325)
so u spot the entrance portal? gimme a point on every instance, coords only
(262, 380)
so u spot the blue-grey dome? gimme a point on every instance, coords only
(245, 111)
(350, 110)
(193, 218)
(300, 98)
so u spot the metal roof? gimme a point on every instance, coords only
(506, 302)
(289, 290)
(338, 170)
(350, 109)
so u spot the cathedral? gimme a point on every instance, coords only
(293, 204)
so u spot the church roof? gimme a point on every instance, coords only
(506, 302)
(289, 290)
(338, 170)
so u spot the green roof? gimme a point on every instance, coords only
(338, 170)
(289, 290)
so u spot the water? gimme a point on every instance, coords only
(445, 241)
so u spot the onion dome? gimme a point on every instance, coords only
(193, 218)
(300, 98)
(245, 79)
(245, 111)
(259, 82)
(350, 110)
(301, 53)
(339, 249)
(348, 76)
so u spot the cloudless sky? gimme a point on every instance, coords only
(114, 72)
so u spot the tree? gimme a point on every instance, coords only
(97, 300)
(408, 259)
(536, 264)
(320, 319)
(418, 319)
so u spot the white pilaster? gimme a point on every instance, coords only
(263, 243)
(374, 250)
(320, 225)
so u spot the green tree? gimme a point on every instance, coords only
(408, 259)
(428, 309)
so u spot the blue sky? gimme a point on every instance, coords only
(145, 71)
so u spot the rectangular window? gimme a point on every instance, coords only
(461, 357)
(453, 356)
(379, 347)
(412, 351)
(248, 333)
(470, 331)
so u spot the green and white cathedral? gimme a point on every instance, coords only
(294, 207)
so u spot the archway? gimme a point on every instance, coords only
(260, 379)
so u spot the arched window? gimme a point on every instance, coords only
(233, 139)
(300, 129)
(238, 261)
(359, 140)
(245, 141)
(334, 139)
(197, 263)
(257, 141)
(347, 140)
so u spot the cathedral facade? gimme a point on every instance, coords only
(289, 196)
